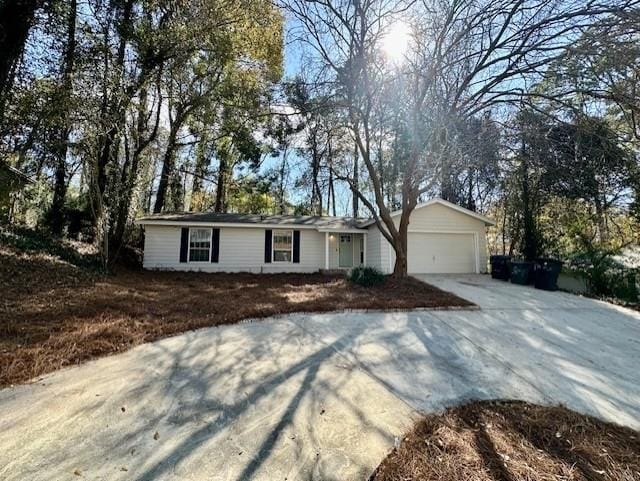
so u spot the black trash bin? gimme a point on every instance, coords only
(546, 274)
(521, 272)
(500, 267)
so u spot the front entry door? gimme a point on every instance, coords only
(346, 251)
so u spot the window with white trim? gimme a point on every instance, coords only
(282, 245)
(199, 245)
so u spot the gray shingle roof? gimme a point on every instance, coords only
(319, 222)
(311, 221)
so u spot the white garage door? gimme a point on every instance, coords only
(441, 253)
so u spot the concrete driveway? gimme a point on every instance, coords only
(316, 396)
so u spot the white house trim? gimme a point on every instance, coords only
(249, 225)
(477, 249)
(342, 231)
(364, 249)
(445, 203)
(326, 250)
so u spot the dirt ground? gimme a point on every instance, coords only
(54, 314)
(508, 441)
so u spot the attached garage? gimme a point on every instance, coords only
(444, 238)
(442, 253)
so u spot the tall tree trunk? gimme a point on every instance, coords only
(400, 265)
(316, 192)
(356, 180)
(130, 172)
(471, 205)
(16, 19)
(392, 183)
(113, 112)
(446, 190)
(332, 193)
(409, 202)
(61, 137)
(168, 165)
(332, 190)
(530, 248)
(56, 213)
(504, 229)
(329, 187)
(400, 245)
(223, 178)
(200, 169)
(283, 173)
(603, 229)
(177, 187)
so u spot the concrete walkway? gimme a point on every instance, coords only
(316, 396)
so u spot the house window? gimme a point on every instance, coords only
(345, 238)
(199, 245)
(282, 245)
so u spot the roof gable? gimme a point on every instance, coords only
(445, 203)
(450, 205)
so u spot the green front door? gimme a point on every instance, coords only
(346, 251)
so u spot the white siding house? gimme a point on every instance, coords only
(443, 238)
(241, 250)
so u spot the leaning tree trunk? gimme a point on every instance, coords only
(16, 19)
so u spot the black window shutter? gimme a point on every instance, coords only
(184, 244)
(215, 245)
(296, 246)
(267, 246)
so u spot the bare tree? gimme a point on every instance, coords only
(464, 57)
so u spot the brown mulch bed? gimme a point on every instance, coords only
(511, 440)
(53, 314)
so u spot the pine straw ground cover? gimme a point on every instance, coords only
(53, 314)
(509, 441)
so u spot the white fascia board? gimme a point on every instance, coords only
(224, 224)
(344, 231)
(451, 205)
